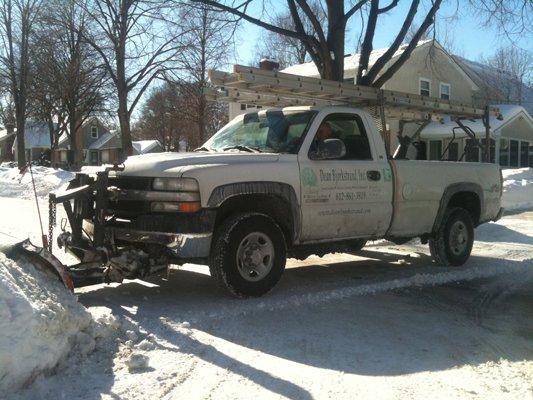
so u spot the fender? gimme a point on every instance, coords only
(448, 194)
(283, 190)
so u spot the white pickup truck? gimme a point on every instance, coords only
(294, 182)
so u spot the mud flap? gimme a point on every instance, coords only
(42, 259)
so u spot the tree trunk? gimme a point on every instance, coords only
(76, 142)
(21, 145)
(334, 61)
(125, 129)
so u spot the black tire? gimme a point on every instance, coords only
(453, 248)
(223, 263)
(357, 245)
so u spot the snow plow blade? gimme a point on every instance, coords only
(42, 259)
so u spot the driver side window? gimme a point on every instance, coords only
(350, 129)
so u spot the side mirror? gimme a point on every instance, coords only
(330, 149)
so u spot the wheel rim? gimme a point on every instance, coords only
(255, 256)
(458, 238)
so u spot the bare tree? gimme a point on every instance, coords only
(71, 81)
(17, 19)
(512, 17)
(287, 50)
(136, 39)
(162, 117)
(325, 43)
(511, 71)
(209, 35)
(169, 115)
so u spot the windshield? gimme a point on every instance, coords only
(271, 131)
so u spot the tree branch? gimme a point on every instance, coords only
(240, 14)
(354, 9)
(430, 17)
(387, 56)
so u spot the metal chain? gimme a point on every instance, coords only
(51, 222)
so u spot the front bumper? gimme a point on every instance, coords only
(189, 240)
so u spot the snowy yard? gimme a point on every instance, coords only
(386, 324)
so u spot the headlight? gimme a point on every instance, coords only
(176, 184)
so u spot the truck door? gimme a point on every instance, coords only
(347, 197)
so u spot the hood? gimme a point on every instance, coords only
(174, 164)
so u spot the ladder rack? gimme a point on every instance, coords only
(260, 87)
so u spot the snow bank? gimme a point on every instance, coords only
(40, 323)
(517, 189)
(46, 180)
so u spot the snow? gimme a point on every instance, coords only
(143, 146)
(46, 180)
(386, 323)
(351, 63)
(517, 189)
(40, 323)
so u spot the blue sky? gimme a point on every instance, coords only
(469, 38)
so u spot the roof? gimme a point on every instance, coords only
(144, 146)
(436, 130)
(351, 62)
(4, 135)
(109, 140)
(36, 135)
(488, 77)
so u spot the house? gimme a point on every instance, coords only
(107, 149)
(36, 140)
(93, 135)
(511, 139)
(431, 71)
(7, 137)
(100, 146)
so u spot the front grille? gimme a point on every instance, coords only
(131, 182)
(130, 209)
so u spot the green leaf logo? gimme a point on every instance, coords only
(309, 177)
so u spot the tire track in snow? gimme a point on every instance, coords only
(417, 280)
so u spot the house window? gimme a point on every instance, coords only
(425, 87)
(94, 132)
(93, 157)
(524, 156)
(243, 107)
(504, 152)
(435, 149)
(445, 91)
(513, 153)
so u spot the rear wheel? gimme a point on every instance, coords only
(248, 255)
(454, 239)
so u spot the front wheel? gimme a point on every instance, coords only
(248, 254)
(453, 241)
